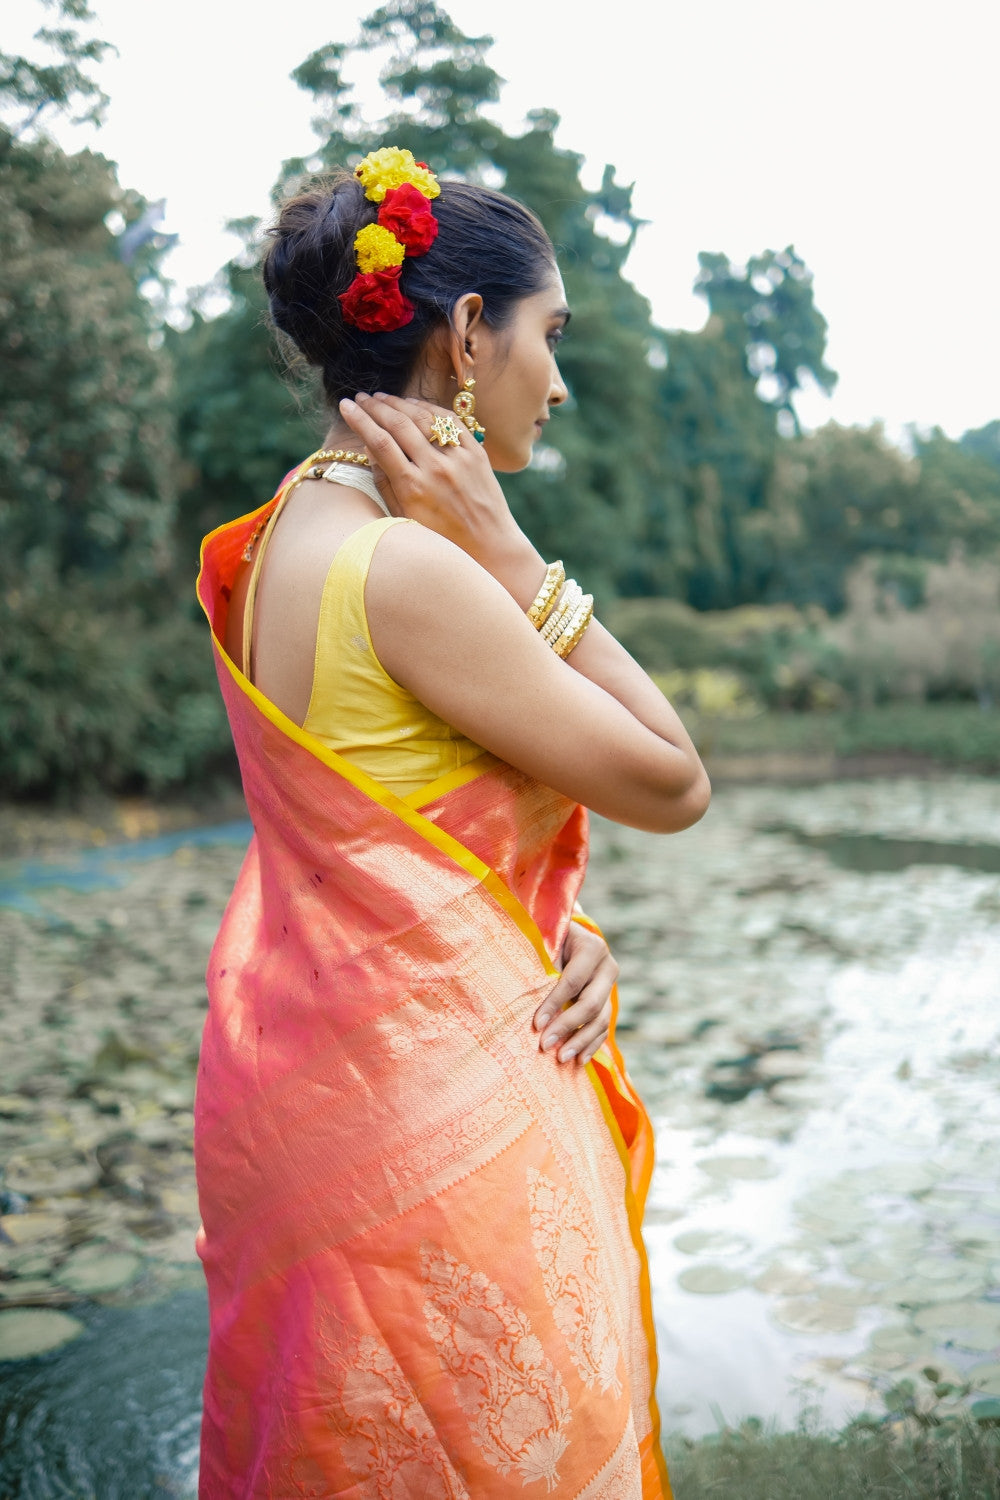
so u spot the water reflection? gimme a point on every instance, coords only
(810, 984)
(114, 1416)
(809, 987)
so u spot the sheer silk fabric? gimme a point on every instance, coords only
(421, 1235)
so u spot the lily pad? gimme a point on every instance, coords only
(902, 1177)
(937, 1268)
(840, 1209)
(94, 1269)
(28, 1331)
(52, 1179)
(782, 1065)
(711, 1242)
(31, 1262)
(918, 1291)
(25, 1229)
(748, 1168)
(784, 1281)
(897, 1340)
(842, 1295)
(16, 1107)
(811, 1315)
(943, 1317)
(884, 1361)
(869, 1267)
(711, 1280)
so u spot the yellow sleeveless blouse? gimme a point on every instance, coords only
(355, 707)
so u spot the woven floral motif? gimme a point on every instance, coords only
(387, 1441)
(511, 1393)
(568, 1258)
(621, 1477)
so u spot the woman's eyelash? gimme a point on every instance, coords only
(557, 335)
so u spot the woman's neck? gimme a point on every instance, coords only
(339, 435)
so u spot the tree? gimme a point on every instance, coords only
(767, 310)
(28, 87)
(86, 455)
(984, 442)
(584, 499)
(103, 681)
(239, 426)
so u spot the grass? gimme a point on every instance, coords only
(958, 1460)
(959, 736)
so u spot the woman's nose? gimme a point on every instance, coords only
(558, 393)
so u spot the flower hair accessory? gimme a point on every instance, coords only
(403, 189)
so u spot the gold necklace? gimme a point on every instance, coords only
(335, 456)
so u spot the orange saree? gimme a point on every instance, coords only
(420, 1234)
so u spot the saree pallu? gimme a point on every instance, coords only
(421, 1235)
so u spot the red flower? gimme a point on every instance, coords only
(407, 214)
(375, 302)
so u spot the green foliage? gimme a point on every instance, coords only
(956, 1461)
(86, 446)
(983, 442)
(959, 735)
(801, 572)
(766, 309)
(29, 87)
(239, 427)
(101, 697)
(436, 82)
(102, 682)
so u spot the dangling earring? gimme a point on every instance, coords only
(464, 407)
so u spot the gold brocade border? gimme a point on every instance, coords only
(645, 1292)
(442, 785)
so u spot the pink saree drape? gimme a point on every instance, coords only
(421, 1235)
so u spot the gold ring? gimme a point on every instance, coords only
(446, 431)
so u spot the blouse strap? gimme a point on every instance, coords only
(338, 473)
(258, 558)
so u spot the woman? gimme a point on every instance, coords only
(421, 1164)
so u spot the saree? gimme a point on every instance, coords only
(420, 1234)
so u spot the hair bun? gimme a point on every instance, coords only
(310, 260)
(487, 243)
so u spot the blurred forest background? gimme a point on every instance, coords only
(820, 591)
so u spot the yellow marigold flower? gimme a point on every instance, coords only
(377, 249)
(389, 168)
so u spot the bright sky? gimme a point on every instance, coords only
(863, 131)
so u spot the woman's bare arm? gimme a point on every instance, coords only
(446, 608)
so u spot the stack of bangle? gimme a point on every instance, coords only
(561, 611)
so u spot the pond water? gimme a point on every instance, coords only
(809, 991)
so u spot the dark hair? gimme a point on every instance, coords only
(486, 243)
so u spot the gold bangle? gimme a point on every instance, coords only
(574, 632)
(541, 607)
(560, 616)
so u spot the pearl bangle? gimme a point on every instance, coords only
(561, 615)
(574, 631)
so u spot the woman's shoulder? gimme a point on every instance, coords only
(413, 563)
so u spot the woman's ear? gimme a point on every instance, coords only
(466, 330)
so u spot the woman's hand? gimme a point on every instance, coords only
(451, 490)
(584, 988)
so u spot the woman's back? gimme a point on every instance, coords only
(354, 706)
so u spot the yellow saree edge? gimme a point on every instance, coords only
(645, 1292)
(450, 781)
(378, 793)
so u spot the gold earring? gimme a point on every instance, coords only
(464, 407)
